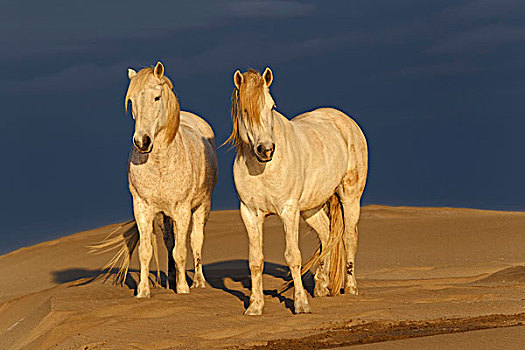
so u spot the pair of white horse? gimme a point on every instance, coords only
(313, 166)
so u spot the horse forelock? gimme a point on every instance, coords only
(247, 103)
(140, 81)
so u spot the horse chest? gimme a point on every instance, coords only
(158, 183)
(265, 192)
(272, 189)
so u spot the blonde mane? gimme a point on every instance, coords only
(248, 99)
(140, 81)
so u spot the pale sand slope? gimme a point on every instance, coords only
(412, 264)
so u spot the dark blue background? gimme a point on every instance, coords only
(438, 88)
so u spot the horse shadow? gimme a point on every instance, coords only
(216, 275)
(81, 277)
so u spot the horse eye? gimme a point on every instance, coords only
(157, 98)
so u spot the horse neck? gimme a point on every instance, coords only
(282, 129)
(162, 148)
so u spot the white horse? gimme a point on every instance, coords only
(172, 171)
(313, 166)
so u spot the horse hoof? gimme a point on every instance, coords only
(255, 309)
(142, 294)
(351, 290)
(143, 290)
(302, 308)
(183, 289)
(321, 292)
(199, 282)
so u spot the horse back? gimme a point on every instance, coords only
(332, 123)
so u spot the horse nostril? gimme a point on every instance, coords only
(273, 147)
(146, 142)
(260, 149)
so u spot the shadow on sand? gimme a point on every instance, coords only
(216, 275)
(238, 271)
(82, 277)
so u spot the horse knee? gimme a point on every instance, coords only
(145, 250)
(257, 268)
(179, 257)
(293, 258)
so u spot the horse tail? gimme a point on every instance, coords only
(335, 248)
(125, 239)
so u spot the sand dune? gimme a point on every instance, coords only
(427, 273)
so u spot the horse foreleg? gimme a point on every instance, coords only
(144, 217)
(318, 220)
(292, 255)
(182, 218)
(200, 215)
(253, 220)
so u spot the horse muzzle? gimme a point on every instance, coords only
(264, 153)
(143, 144)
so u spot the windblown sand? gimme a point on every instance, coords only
(429, 278)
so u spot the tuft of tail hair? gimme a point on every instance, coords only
(335, 247)
(124, 239)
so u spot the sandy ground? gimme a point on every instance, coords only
(428, 279)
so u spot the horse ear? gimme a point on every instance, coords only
(131, 73)
(238, 79)
(268, 76)
(159, 70)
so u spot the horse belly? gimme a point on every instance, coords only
(319, 186)
(324, 169)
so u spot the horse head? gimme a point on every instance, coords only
(154, 106)
(252, 113)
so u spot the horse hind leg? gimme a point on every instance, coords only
(169, 241)
(350, 196)
(199, 218)
(318, 220)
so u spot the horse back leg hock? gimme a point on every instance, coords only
(318, 220)
(351, 210)
(199, 217)
(169, 241)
